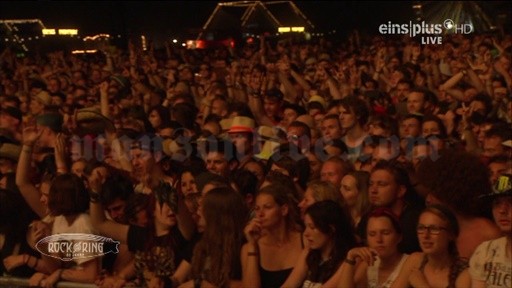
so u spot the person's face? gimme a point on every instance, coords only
(383, 190)
(241, 142)
(212, 127)
(349, 190)
(164, 215)
(430, 243)
(419, 152)
(295, 136)
(331, 172)
(219, 108)
(307, 201)
(36, 107)
(78, 168)
(383, 152)
(480, 130)
(415, 102)
(255, 169)
(53, 86)
(347, 118)
(154, 119)
(188, 183)
(271, 107)
(8, 122)
(430, 128)
(382, 236)
(45, 193)
(492, 146)
(410, 127)
(402, 90)
(331, 129)
(217, 164)
(289, 115)
(502, 213)
(375, 129)
(497, 169)
(315, 165)
(142, 162)
(268, 211)
(316, 238)
(116, 210)
(7, 165)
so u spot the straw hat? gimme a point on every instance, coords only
(318, 99)
(44, 98)
(90, 120)
(241, 124)
(270, 133)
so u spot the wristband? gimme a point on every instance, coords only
(94, 197)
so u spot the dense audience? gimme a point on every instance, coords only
(373, 162)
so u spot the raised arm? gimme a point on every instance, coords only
(106, 227)
(250, 255)
(29, 192)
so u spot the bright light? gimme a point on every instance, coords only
(95, 37)
(144, 44)
(290, 29)
(49, 32)
(174, 41)
(183, 44)
(68, 31)
(83, 51)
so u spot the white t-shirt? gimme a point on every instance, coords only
(490, 263)
(82, 224)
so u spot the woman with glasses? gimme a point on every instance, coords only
(378, 264)
(439, 265)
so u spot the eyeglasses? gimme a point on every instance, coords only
(434, 230)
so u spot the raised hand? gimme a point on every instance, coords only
(31, 135)
(253, 231)
(365, 254)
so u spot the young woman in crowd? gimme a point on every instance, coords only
(379, 264)
(274, 240)
(319, 191)
(216, 258)
(67, 203)
(330, 235)
(354, 189)
(439, 264)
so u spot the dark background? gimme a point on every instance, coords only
(181, 19)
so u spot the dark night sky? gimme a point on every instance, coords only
(169, 18)
(116, 17)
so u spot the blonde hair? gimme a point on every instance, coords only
(323, 190)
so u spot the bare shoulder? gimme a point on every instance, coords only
(414, 260)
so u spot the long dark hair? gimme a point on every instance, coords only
(226, 215)
(331, 219)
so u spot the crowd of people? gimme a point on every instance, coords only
(373, 162)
